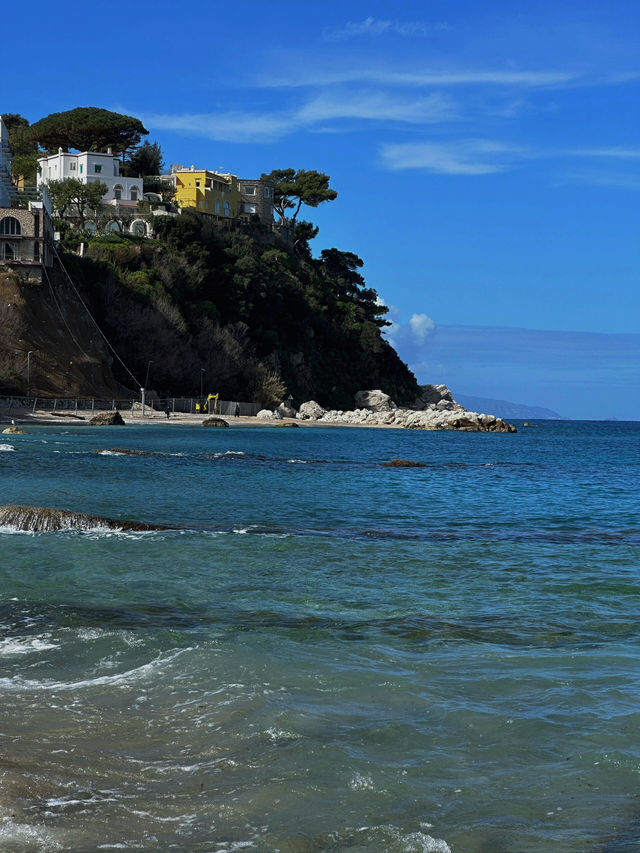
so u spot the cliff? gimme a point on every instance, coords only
(255, 319)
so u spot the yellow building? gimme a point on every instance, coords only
(208, 192)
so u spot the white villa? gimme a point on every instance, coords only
(89, 167)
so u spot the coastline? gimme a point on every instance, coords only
(24, 418)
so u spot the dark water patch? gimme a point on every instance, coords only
(18, 619)
(403, 463)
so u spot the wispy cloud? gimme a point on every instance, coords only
(616, 153)
(484, 157)
(374, 27)
(377, 106)
(236, 126)
(393, 77)
(467, 157)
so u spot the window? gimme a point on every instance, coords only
(227, 211)
(206, 204)
(217, 207)
(249, 208)
(81, 168)
(250, 190)
(197, 185)
(10, 225)
(72, 166)
(267, 192)
(134, 193)
(97, 168)
(117, 192)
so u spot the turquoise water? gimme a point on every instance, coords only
(325, 654)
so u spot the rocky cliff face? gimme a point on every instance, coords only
(68, 356)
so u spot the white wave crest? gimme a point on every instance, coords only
(122, 679)
(24, 645)
(7, 447)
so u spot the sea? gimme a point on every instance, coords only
(323, 652)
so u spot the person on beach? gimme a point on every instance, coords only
(167, 412)
(236, 411)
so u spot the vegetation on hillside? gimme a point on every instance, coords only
(255, 320)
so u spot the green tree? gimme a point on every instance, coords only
(145, 160)
(342, 270)
(88, 129)
(25, 151)
(71, 198)
(294, 188)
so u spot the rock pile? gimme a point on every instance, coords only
(434, 409)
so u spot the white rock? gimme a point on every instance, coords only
(266, 415)
(376, 401)
(310, 411)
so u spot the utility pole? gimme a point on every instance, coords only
(146, 382)
(29, 354)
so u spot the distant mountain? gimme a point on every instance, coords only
(505, 409)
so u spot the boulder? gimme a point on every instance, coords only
(215, 422)
(310, 411)
(374, 401)
(266, 415)
(13, 430)
(107, 419)
(286, 411)
(431, 395)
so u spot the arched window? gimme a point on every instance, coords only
(10, 226)
(117, 192)
(134, 193)
(139, 228)
(226, 209)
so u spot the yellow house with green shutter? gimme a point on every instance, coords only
(208, 192)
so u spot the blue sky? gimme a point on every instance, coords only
(486, 158)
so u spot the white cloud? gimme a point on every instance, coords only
(377, 106)
(236, 126)
(616, 153)
(373, 27)
(390, 77)
(467, 157)
(421, 325)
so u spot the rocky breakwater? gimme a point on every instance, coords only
(434, 409)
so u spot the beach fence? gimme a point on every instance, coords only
(159, 405)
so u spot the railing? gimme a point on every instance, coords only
(155, 406)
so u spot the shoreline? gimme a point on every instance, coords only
(24, 417)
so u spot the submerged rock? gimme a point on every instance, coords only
(107, 419)
(215, 422)
(124, 451)
(403, 463)
(296, 426)
(40, 519)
